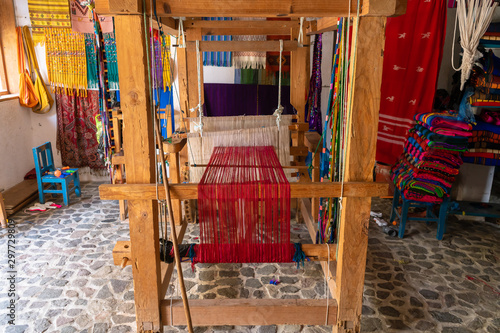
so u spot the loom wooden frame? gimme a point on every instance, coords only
(151, 278)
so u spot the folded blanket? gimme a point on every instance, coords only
(446, 131)
(484, 145)
(484, 126)
(484, 136)
(428, 134)
(481, 160)
(442, 120)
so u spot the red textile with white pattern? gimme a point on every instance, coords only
(412, 58)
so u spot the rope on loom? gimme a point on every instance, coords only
(199, 125)
(474, 17)
(300, 38)
(279, 109)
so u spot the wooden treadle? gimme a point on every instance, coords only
(20, 195)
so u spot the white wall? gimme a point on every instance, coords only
(16, 158)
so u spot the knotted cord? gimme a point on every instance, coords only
(474, 17)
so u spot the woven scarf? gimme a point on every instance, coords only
(47, 14)
(220, 59)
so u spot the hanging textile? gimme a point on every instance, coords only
(77, 131)
(314, 98)
(165, 61)
(249, 59)
(90, 53)
(413, 52)
(82, 21)
(111, 60)
(66, 60)
(241, 220)
(273, 57)
(220, 59)
(47, 14)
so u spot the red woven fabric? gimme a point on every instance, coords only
(412, 56)
(244, 207)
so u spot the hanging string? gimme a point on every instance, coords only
(199, 125)
(279, 109)
(181, 34)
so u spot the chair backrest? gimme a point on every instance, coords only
(44, 160)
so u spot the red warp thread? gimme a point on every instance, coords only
(244, 207)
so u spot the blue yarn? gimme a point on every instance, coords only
(192, 255)
(465, 109)
(299, 256)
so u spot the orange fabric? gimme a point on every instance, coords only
(27, 95)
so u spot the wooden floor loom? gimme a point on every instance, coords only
(152, 277)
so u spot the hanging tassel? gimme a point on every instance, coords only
(299, 256)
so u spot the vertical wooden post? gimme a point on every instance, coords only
(175, 175)
(3, 213)
(353, 234)
(139, 159)
(192, 71)
(182, 76)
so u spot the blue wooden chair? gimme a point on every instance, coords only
(44, 163)
(429, 216)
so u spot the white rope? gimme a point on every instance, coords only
(300, 38)
(279, 109)
(474, 17)
(327, 279)
(182, 38)
(198, 126)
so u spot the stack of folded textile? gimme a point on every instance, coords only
(484, 144)
(491, 37)
(429, 164)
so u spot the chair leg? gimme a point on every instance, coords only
(395, 203)
(78, 190)
(404, 216)
(443, 215)
(65, 189)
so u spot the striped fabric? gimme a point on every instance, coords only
(48, 14)
(219, 59)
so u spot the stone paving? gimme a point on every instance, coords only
(66, 281)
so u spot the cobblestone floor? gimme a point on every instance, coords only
(66, 281)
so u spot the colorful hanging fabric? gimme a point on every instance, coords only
(336, 122)
(165, 59)
(241, 220)
(47, 14)
(111, 60)
(314, 98)
(76, 130)
(82, 21)
(220, 59)
(249, 59)
(413, 52)
(66, 60)
(90, 53)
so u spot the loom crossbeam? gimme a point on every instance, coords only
(315, 252)
(215, 312)
(297, 190)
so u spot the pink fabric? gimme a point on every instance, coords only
(412, 56)
(82, 22)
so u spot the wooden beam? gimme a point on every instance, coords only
(8, 43)
(261, 8)
(364, 92)
(215, 312)
(190, 191)
(238, 46)
(379, 8)
(299, 79)
(182, 75)
(324, 24)
(315, 252)
(138, 140)
(242, 27)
